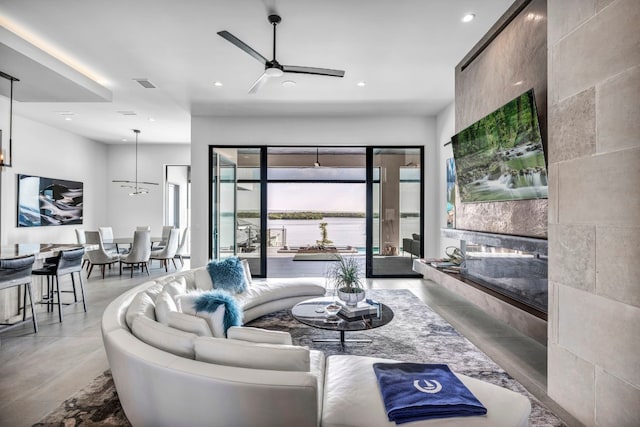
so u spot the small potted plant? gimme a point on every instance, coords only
(345, 276)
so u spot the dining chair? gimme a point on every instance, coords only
(107, 238)
(82, 240)
(183, 250)
(166, 229)
(99, 256)
(67, 262)
(143, 228)
(169, 251)
(16, 272)
(140, 252)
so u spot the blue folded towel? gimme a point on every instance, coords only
(416, 391)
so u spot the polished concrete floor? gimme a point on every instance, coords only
(39, 371)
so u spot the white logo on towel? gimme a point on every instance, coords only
(432, 386)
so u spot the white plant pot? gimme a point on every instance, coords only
(351, 298)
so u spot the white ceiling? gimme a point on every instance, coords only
(405, 50)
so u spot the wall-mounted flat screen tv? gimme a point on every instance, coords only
(47, 201)
(501, 156)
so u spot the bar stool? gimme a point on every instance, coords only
(67, 262)
(17, 272)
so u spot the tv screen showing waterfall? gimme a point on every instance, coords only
(501, 157)
(47, 201)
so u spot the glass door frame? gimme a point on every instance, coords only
(214, 202)
(369, 153)
(370, 199)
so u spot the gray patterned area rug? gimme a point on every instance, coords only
(416, 334)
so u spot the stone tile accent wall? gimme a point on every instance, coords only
(594, 206)
(513, 62)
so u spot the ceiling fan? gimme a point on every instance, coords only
(273, 68)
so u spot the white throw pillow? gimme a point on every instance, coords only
(163, 337)
(164, 305)
(258, 335)
(203, 279)
(215, 320)
(176, 287)
(154, 290)
(247, 272)
(245, 354)
(141, 305)
(189, 323)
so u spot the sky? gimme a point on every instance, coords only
(317, 197)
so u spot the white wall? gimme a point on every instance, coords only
(320, 131)
(445, 129)
(42, 150)
(124, 212)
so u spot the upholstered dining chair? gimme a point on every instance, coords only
(183, 250)
(67, 262)
(82, 240)
(140, 252)
(99, 256)
(169, 251)
(143, 228)
(16, 272)
(166, 229)
(107, 238)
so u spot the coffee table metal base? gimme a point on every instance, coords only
(341, 340)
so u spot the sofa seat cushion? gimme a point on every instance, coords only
(163, 337)
(264, 291)
(245, 354)
(259, 335)
(352, 398)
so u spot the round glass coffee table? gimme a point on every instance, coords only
(312, 313)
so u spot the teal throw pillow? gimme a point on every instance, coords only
(210, 301)
(227, 274)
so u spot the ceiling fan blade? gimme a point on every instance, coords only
(242, 45)
(312, 70)
(258, 83)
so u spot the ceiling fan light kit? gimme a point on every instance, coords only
(273, 68)
(135, 185)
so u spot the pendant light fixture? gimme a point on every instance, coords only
(135, 185)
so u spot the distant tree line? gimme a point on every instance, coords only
(317, 215)
(509, 126)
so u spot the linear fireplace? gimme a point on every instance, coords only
(511, 266)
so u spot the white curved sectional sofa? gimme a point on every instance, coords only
(222, 381)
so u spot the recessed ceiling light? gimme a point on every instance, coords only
(151, 119)
(288, 83)
(468, 17)
(217, 84)
(124, 140)
(68, 119)
(361, 84)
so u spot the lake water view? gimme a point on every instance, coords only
(342, 231)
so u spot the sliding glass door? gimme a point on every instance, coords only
(288, 209)
(396, 214)
(223, 196)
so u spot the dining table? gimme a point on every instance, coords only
(128, 241)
